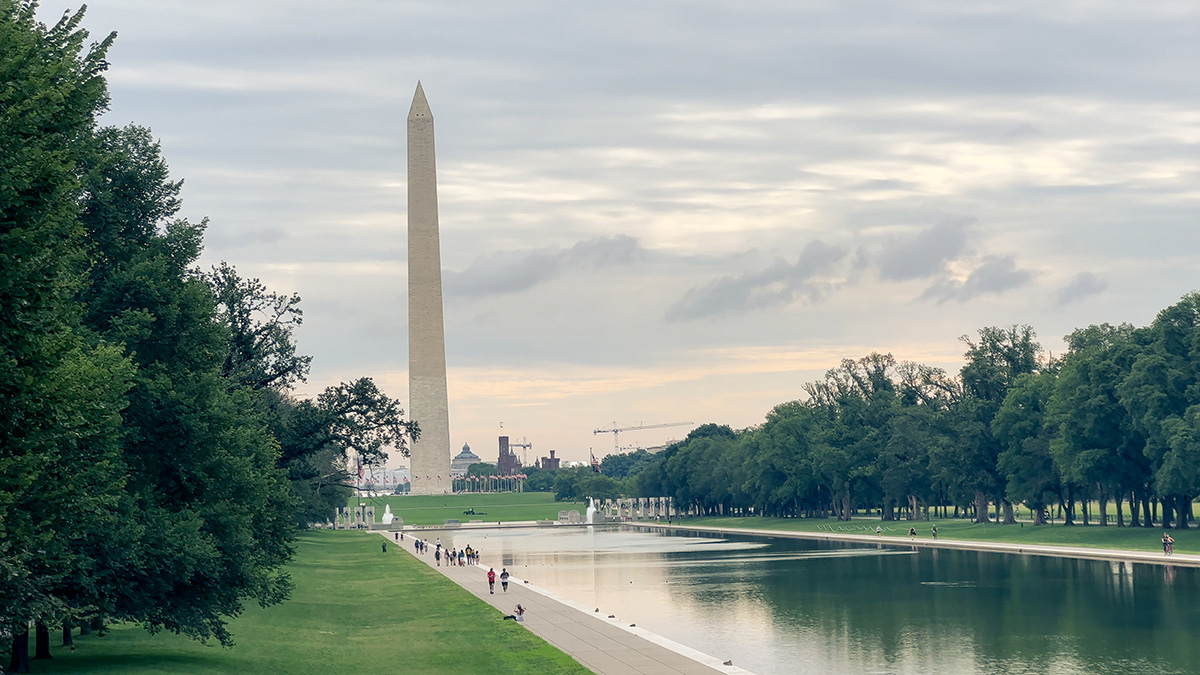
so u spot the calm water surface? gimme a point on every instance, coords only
(800, 606)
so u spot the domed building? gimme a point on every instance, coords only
(464, 459)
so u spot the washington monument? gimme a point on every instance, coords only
(427, 399)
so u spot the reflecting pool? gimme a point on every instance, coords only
(804, 606)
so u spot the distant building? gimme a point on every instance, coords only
(462, 461)
(550, 462)
(508, 463)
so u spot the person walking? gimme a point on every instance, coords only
(437, 557)
(912, 532)
(504, 580)
(878, 531)
(492, 581)
(385, 545)
(935, 531)
(1167, 543)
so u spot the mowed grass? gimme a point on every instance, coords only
(1090, 536)
(490, 507)
(354, 610)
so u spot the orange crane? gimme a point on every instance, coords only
(616, 431)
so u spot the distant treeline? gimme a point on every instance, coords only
(154, 465)
(1114, 420)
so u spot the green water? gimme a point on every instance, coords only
(797, 606)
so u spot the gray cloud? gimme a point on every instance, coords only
(996, 275)
(1083, 285)
(779, 284)
(923, 255)
(511, 272)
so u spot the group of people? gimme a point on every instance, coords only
(452, 556)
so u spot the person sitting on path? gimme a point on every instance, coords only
(504, 580)
(492, 581)
(518, 614)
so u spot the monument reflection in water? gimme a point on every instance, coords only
(797, 606)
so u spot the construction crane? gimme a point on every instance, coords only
(526, 446)
(616, 431)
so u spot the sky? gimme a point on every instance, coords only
(677, 211)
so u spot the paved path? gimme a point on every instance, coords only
(1149, 557)
(604, 645)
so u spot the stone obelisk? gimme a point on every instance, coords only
(427, 399)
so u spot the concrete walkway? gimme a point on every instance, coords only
(604, 645)
(1148, 557)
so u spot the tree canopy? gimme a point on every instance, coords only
(154, 461)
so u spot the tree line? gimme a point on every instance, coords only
(155, 463)
(1114, 420)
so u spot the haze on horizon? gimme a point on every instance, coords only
(677, 211)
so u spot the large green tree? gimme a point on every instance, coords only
(60, 394)
(1024, 432)
(994, 361)
(1162, 395)
(213, 510)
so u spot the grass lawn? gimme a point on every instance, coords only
(488, 507)
(354, 610)
(1093, 536)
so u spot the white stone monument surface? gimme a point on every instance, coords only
(427, 397)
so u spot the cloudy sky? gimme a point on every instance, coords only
(678, 211)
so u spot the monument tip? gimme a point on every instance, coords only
(420, 106)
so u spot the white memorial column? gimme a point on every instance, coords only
(427, 398)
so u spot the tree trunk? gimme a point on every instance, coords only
(1039, 515)
(1166, 512)
(915, 502)
(41, 648)
(1009, 518)
(1133, 509)
(981, 507)
(1087, 508)
(67, 640)
(1103, 506)
(1183, 508)
(1069, 515)
(1120, 509)
(19, 663)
